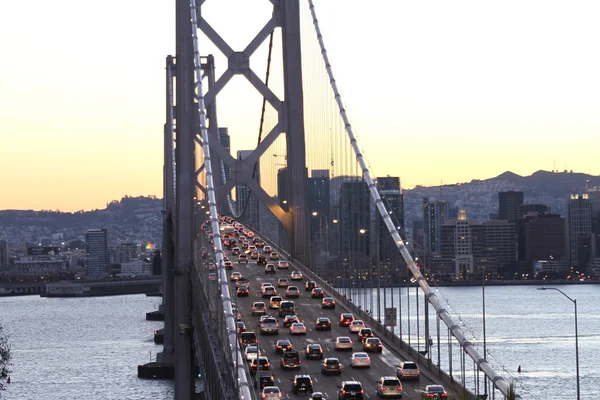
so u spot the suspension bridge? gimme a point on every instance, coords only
(342, 244)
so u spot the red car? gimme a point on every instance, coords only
(346, 319)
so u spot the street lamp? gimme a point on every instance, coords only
(574, 301)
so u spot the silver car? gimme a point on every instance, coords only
(271, 393)
(360, 360)
(343, 343)
(389, 386)
(251, 352)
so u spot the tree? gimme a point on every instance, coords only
(5, 359)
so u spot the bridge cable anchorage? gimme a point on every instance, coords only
(236, 354)
(501, 384)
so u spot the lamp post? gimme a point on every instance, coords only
(574, 301)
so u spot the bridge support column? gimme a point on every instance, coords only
(294, 127)
(185, 191)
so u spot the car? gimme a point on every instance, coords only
(243, 291)
(290, 359)
(287, 307)
(283, 282)
(245, 244)
(252, 247)
(365, 333)
(260, 362)
(434, 390)
(274, 256)
(242, 282)
(283, 345)
(236, 251)
(275, 301)
(292, 292)
(259, 308)
(267, 249)
(269, 325)
(270, 393)
(243, 258)
(298, 328)
(302, 384)
(248, 339)
(265, 378)
(268, 292)
(251, 352)
(262, 260)
(346, 319)
(356, 325)
(241, 327)
(328, 302)
(373, 344)
(389, 386)
(296, 276)
(317, 396)
(351, 390)
(235, 276)
(360, 359)
(310, 285)
(408, 370)
(228, 264)
(254, 255)
(313, 350)
(270, 269)
(317, 293)
(264, 285)
(289, 320)
(282, 264)
(212, 276)
(331, 365)
(343, 343)
(323, 324)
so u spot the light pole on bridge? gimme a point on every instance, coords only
(574, 301)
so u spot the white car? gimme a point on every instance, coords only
(343, 343)
(356, 325)
(267, 249)
(235, 276)
(298, 328)
(264, 285)
(251, 352)
(271, 393)
(296, 276)
(283, 264)
(360, 360)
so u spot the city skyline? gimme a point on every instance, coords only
(478, 89)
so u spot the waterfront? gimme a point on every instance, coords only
(90, 347)
(72, 348)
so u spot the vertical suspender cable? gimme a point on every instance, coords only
(499, 381)
(236, 354)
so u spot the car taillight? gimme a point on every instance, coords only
(399, 388)
(343, 391)
(384, 388)
(277, 325)
(264, 396)
(362, 391)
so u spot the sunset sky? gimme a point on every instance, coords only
(460, 89)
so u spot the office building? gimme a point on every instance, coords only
(579, 229)
(225, 141)
(97, 256)
(542, 237)
(525, 209)
(355, 202)
(509, 203)
(435, 214)
(393, 200)
(319, 205)
(246, 201)
(4, 259)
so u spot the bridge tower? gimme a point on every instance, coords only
(295, 221)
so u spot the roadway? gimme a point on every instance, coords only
(308, 310)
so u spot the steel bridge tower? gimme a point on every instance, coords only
(290, 110)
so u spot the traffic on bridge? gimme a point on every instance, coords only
(297, 340)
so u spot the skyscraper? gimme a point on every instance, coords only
(579, 232)
(393, 200)
(245, 199)
(319, 203)
(509, 203)
(96, 248)
(435, 214)
(541, 238)
(225, 141)
(355, 218)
